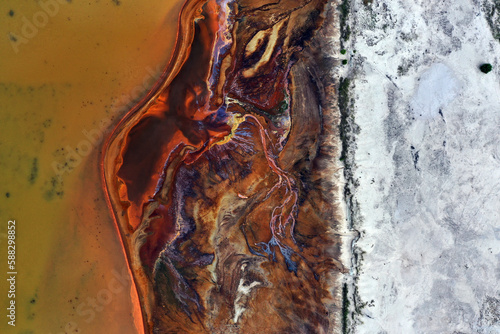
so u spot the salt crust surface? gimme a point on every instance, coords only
(428, 166)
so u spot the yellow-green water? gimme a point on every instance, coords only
(67, 70)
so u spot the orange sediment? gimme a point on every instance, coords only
(213, 181)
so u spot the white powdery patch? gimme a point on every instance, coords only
(243, 290)
(438, 86)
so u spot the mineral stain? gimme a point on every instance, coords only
(219, 179)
